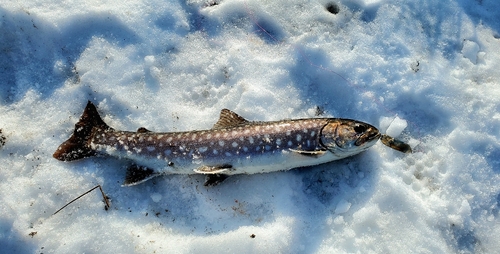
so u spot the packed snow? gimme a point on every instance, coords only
(426, 72)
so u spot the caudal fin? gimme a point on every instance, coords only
(78, 145)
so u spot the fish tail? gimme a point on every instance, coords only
(78, 145)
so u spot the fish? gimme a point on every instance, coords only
(234, 145)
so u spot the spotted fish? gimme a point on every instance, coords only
(233, 145)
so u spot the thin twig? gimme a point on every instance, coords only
(103, 195)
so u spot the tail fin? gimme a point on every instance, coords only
(78, 145)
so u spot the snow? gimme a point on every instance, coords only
(425, 71)
(394, 126)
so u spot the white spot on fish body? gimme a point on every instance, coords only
(169, 139)
(266, 138)
(313, 133)
(209, 135)
(159, 136)
(245, 149)
(278, 141)
(167, 152)
(215, 151)
(150, 139)
(193, 137)
(221, 143)
(247, 131)
(305, 130)
(299, 137)
(217, 135)
(268, 147)
(289, 143)
(234, 144)
(242, 138)
(288, 132)
(228, 154)
(112, 138)
(150, 148)
(202, 149)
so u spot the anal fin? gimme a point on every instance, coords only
(213, 169)
(138, 174)
(214, 179)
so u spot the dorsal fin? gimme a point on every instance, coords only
(142, 130)
(229, 119)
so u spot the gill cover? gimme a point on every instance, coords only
(348, 135)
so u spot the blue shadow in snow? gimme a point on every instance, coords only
(482, 12)
(12, 242)
(30, 48)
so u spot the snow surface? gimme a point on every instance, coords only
(430, 66)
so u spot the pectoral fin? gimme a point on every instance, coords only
(315, 153)
(142, 130)
(138, 174)
(213, 169)
(214, 179)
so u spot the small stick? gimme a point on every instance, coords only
(106, 200)
(395, 144)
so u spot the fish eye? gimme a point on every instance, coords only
(359, 128)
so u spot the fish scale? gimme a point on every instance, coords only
(233, 146)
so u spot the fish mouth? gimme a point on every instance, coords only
(371, 135)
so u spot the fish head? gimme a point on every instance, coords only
(347, 137)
